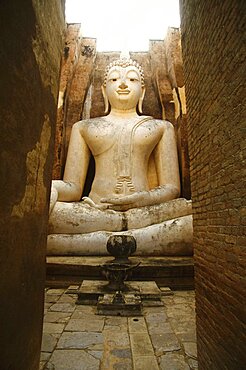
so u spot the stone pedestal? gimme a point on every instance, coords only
(126, 303)
(175, 272)
(129, 305)
(91, 290)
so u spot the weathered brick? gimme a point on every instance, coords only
(213, 47)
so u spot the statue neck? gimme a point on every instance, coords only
(119, 113)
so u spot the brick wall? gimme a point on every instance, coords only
(76, 73)
(31, 47)
(213, 42)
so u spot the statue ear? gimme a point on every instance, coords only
(140, 102)
(105, 98)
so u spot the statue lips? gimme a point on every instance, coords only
(123, 92)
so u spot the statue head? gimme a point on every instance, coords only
(123, 85)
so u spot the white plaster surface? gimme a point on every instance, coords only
(122, 198)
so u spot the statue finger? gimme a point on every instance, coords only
(110, 200)
(89, 201)
(104, 200)
(121, 201)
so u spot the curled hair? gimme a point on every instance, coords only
(124, 63)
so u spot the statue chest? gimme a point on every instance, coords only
(125, 139)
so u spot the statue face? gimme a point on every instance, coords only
(123, 87)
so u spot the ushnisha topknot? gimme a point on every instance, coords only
(124, 62)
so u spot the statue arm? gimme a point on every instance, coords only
(70, 189)
(166, 161)
(167, 166)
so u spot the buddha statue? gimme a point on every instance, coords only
(136, 187)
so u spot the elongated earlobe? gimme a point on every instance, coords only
(105, 98)
(140, 102)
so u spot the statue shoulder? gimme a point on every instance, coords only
(85, 123)
(164, 124)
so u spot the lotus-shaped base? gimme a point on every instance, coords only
(116, 274)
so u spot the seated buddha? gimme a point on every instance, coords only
(136, 187)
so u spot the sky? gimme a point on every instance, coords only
(125, 25)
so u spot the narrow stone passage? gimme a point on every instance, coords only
(76, 338)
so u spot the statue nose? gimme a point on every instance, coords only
(123, 85)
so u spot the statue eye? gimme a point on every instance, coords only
(114, 79)
(133, 79)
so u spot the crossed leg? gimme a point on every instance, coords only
(78, 229)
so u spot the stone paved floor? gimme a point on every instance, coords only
(76, 338)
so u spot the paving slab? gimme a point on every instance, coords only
(53, 328)
(172, 361)
(42, 365)
(75, 340)
(63, 307)
(115, 320)
(67, 298)
(187, 336)
(116, 339)
(122, 366)
(190, 349)
(164, 343)
(153, 309)
(74, 336)
(167, 300)
(137, 325)
(179, 311)
(47, 304)
(84, 311)
(72, 360)
(116, 324)
(117, 351)
(49, 342)
(44, 356)
(183, 325)
(116, 364)
(193, 363)
(97, 354)
(183, 299)
(52, 298)
(115, 328)
(95, 325)
(159, 327)
(57, 317)
(156, 317)
(55, 291)
(145, 363)
(141, 344)
(121, 352)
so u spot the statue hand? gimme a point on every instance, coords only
(90, 202)
(157, 195)
(126, 202)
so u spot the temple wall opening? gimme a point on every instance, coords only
(35, 47)
(213, 43)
